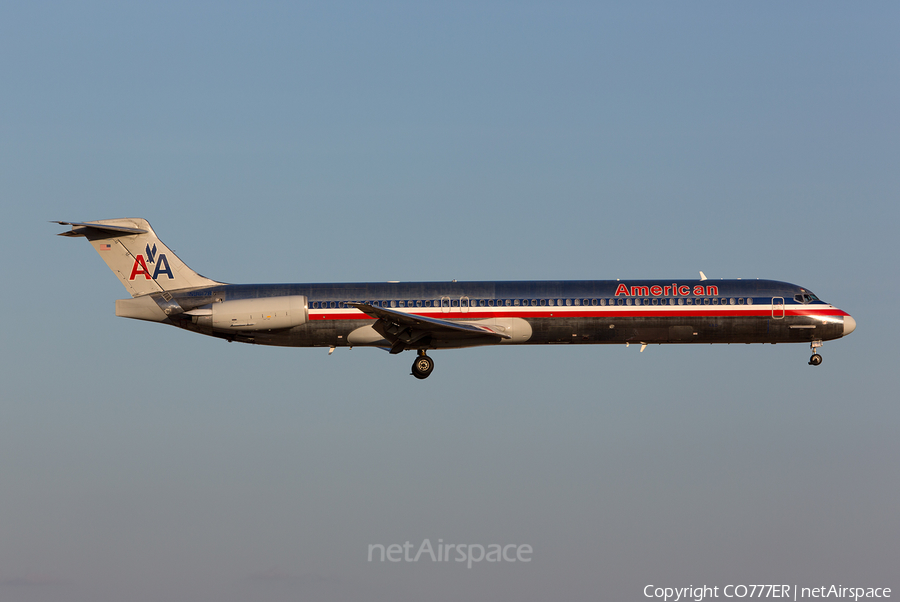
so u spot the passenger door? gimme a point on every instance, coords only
(777, 307)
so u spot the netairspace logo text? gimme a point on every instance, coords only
(448, 552)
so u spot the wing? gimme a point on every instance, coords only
(409, 331)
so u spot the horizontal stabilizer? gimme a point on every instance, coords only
(78, 229)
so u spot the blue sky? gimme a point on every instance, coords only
(290, 142)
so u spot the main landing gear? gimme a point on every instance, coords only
(423, 365)
(815, 359)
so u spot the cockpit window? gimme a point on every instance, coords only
(806, 297)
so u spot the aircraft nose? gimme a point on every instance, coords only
(849, 325)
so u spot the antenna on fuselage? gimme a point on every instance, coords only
(702, 276)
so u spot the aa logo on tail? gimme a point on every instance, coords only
(160, 263)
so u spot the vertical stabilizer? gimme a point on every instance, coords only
(142, 262)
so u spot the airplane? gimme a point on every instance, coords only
(425, 316)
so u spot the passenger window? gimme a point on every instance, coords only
(749, 300)
(593, 302)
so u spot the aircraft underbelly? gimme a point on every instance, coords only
(326, 333)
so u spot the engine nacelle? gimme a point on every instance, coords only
(265, 313)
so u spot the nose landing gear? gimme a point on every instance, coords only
(815, 359)
(423, 365)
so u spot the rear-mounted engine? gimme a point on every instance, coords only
(266, 313)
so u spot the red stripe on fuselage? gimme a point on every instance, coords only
(761, 312)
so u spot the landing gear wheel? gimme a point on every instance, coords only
(423, 366)
(815, 360)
